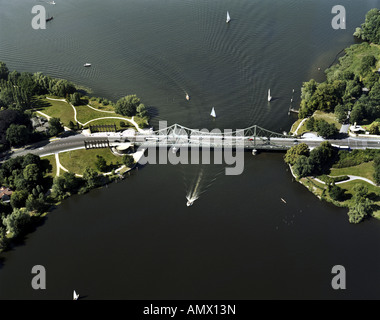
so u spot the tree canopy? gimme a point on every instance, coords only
(127, 106)
(370, 29)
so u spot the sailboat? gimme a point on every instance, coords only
(269, 96)
(228, 17)
(75, 295)
(213, 114)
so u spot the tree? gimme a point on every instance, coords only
(74, 99)
(302, 167)
(17, 135)
(65, 185)
(294, 152)
(341, 112)
(310, 124)
(101, 163)
(3, 71)
(55, 127)
(127, 105)
(367, 63)
(336, 193)
(320, 158)
(91, 178)
(32, 173)
(370, 29)
(18, 198)
(374, 128)
(17, 222)
(141, 111)
(128, 161)
(359, 210)
(357, 114)
(31, 158)
(307, 104)
(8, 117)
(376, 174)
(3, 239)
(62, 88)
(36, 204)
(326, 130)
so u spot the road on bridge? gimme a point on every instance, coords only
(150, 140)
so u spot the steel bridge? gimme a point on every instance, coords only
(177, 136)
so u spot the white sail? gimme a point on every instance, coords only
(269, 96)
(213, 114)
(228, 17)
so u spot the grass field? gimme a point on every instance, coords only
(329, 117)
(85, 114)
(100, 106)
(49, 165)
(355, 54)
(111, 122)
(365, 170)
(77, 161)
(56, 109)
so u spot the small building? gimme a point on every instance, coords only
(357, 129)
(5, 194)
(40, 124)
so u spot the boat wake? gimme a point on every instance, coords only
(199, 182)
(194, 192)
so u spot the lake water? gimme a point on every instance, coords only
(137, 239)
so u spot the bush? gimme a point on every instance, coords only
(128, 160)
(336, 193)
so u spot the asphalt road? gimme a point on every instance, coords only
(77, 141)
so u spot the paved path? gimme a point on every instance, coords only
(299, 126)
(351, 178)
(101, 118)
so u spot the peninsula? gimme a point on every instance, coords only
(37, 110)
(345, 105)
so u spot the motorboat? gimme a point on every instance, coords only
(75, 295)
(187, 97)
(189, 202)
(87, 65)
(269, 96)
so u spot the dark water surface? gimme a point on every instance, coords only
(137, 239)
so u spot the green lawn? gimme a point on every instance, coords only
(295, 126)
(111, 122)
(56, 109)
(77, 161)
(85, 114)
(365, 170)
(101, 106)
(49, 165)
(329, 117)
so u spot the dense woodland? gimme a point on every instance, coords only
(352, 87)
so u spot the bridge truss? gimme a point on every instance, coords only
(178, 136)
